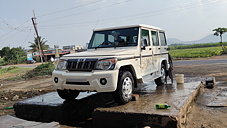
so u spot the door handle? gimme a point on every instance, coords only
(159, 48)
(150, 48)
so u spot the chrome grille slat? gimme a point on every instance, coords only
(81, 64)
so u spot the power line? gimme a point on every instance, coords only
(26, 37)
(70, 8)
(13, 28)
(140, 15)
(15, 33)
(87, 11)
(184, 7)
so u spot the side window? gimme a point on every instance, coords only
(162, 39)
(155, 38)
(145, 38)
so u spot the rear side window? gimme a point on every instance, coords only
(155, 38)
(162, 39)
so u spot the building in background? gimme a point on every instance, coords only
(56, 53)
(73, 48)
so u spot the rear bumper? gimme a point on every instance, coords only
(85, 81)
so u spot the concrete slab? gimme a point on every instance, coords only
(143, 113)
(50, 107)
(13, 122)
(96, 110)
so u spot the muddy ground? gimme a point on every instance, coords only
(200, 115)
(13, 91)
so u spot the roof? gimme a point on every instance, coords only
(129, 26)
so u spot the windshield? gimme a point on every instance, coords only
(114, 38)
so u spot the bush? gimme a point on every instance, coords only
(41, 70)
(22, 60)
(2, 62)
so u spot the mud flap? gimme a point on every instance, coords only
(171, 75)
(170, 71)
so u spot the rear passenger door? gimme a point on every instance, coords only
(156, 49)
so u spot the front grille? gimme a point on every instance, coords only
(81, 64)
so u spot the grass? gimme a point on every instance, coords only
(41, 70)
(14, 69)
(14, 78)
(18, 73)
(196, 52)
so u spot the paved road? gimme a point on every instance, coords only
(23, 65)
(200, 62)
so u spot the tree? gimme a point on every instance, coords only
(219, 32)
(4, 51)
(35, 46)
(15, 55)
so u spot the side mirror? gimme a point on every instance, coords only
(143, 44)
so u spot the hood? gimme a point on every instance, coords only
(100, 53)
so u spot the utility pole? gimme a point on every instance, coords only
(38, 39)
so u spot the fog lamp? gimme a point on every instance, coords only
(56, 80)
(103, 81)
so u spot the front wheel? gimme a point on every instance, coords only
(68, 94)
(161, 80)
(125, 85)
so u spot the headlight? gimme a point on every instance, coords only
(62, 64)
(106, 64)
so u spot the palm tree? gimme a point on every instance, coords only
(35, 46)
(219, 32)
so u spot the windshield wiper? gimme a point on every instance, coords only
(114, 45)
(98, 46)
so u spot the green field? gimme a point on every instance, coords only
(205, 45)
(196, 52)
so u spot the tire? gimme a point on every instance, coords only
(125, 85)
(161, 80)
(68, 94)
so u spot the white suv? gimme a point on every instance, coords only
(116, 60)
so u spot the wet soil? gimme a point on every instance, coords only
(200, 115)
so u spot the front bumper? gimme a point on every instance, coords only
(85, 81)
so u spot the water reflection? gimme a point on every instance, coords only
(180, 87)
(151, 87)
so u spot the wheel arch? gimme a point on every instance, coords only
(131, 69)
(165, 63)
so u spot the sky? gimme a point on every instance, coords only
(70, 22)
